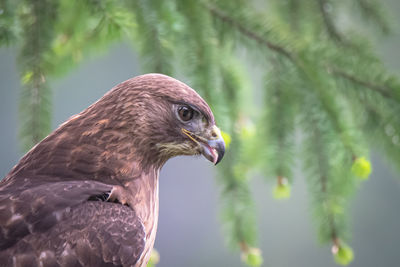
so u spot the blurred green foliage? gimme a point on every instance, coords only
(327, 98)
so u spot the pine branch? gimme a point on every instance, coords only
(372, 10)
(322, 173)
(381, 89)
(248, 32)
(329, 25)
(199, 51)
(117, 19)
(35, 98)
(324, 180)
(232, 86)
(238, 215)
(8, 27)
(315, 81)
(382, 128)
(278, 122)
(294, 6)
(152, 36)
(84, 28)
(237, 207)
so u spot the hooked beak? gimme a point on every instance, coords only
(212, 148)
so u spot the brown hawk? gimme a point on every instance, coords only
(87, 195)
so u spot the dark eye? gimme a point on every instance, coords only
(185, 113)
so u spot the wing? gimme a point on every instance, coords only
(55, 222)
(25, 211)
(94, 233)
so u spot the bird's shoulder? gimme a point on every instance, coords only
(29, 205)
(71, 217)
(94, 233)
(32, 205)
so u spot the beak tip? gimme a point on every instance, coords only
(220, 156)
(214, 150)
(220, 147)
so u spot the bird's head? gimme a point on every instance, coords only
(137, 126)
(166, 118)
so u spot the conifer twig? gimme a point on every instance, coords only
(383, 90)
(330, 26)
(38, 79)
(34, 107)
(248, 32)
(372, 12)
(324, 180)
(151, 47)
(294, 17)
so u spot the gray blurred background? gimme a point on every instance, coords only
(189, 232)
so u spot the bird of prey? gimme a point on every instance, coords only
(87, 195)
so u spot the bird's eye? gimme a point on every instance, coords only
(185, 113)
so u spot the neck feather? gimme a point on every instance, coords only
(95, 149)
